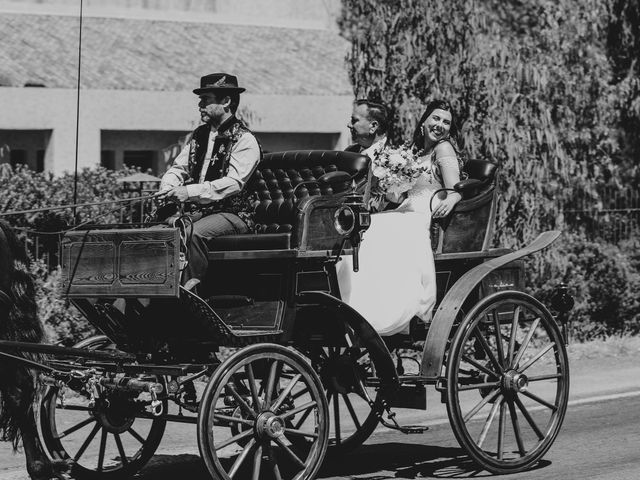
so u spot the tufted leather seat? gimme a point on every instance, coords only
(285, 202)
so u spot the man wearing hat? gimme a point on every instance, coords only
(212, 170)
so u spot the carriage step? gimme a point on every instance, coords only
(408, 429)
(394, 425)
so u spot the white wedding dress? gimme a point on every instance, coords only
(396, 279)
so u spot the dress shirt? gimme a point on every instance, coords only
(375, 147)
(244, 158)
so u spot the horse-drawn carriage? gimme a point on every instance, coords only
(290, 369)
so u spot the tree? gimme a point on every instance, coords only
(530, 81)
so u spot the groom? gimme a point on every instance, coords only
(368, 127)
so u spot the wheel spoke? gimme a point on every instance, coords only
(74, 408)
(514, 331)
(487, 424)
(252, 385)
(76, 427)
(257, 463)
(525, 343)
(290, 413)
(103, 446)
(302, 419)
(533, 396)
(479, 366)
(243, 405)
(136, 435)
(496, 322)
(479, 406)
(283, 395)
(241, 458)
(516, 428)
(537, 357)
(538, 378)
(485, 346)
(227, 418)
(300, 433)
(290, 453)
(476, 386)
(352, 412)
(233, 439)
(87, 441)
(123, 455)
(273, 374)
(501, 428)
(528, 418)
(336, 416)
(274, 464)
(300, 393)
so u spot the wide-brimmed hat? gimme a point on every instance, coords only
(218, 81)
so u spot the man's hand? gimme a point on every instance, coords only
(177, 194)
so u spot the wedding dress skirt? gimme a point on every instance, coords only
(396, 279)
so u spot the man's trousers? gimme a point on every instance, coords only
(205, 229)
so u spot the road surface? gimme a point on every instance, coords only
(600, 439)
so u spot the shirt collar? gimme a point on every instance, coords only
(375, 147)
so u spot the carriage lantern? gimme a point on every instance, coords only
(351, 220)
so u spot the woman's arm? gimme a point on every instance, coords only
(447, 161)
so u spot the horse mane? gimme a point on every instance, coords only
(21, 324)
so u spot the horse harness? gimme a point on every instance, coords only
(5, 299)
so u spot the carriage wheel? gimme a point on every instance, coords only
(263, 415)
(507, 382)
(107, 439)
(355, 408)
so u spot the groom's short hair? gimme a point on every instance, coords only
(376, 112)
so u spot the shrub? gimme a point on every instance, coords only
(603, 278)
(63, 322)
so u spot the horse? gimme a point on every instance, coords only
(19, 322)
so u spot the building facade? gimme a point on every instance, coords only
(138, 61)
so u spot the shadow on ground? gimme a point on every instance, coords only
(389, 460)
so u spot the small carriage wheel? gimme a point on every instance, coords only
(104, 443)
(355, 409)
(284, 425)
(507, 382)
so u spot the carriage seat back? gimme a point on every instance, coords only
(279, 183)
(470, 227)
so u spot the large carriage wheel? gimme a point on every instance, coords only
(355, 408)
(105, 440)
(507, 382)
(263, 415)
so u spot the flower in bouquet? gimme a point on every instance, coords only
(397, 169)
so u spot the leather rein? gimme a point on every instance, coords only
(6, 299)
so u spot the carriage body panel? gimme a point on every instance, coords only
(140, 262)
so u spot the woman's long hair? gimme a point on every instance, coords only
(17, 385)
(453, 139)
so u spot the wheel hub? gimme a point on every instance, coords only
(513, 381)
(269, 425)
(340, 374)
(115, 417)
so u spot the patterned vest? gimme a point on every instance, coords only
(243, 202)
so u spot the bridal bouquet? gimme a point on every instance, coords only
(397, 169)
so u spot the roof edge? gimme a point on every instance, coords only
(157, 15)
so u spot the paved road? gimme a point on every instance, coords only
(600, 439)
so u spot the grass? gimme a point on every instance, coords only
(614, 346)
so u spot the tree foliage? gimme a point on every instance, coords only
(531, 81)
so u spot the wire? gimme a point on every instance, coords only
(75, 170)
(77, 205)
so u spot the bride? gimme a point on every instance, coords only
(396, 280)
